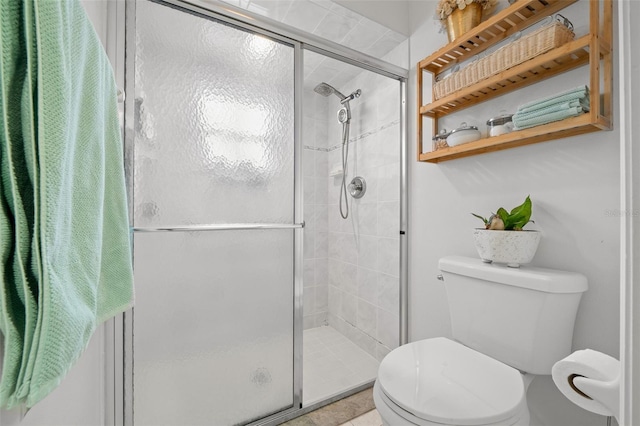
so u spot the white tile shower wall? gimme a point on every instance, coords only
(315, 170)
(363, 250)
(329, 20)
(342, 274)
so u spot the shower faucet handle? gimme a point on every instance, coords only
(357, 187)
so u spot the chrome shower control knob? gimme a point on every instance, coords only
(357, 187)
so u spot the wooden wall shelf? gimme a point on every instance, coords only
(516, 17)
(593, 49)
(565, 128)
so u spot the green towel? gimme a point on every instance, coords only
(570, 103)
(547, 118)
(519, 118)
(579, 92)
(76, 260)
(550, 109)
(19, 250)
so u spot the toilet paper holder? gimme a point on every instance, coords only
(591, 380)
(579, 392)
(575, 388)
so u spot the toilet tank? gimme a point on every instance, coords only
(523, 316)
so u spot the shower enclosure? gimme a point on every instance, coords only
(351, 261)
(244, 268)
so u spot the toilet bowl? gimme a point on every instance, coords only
(507, 326)
(441, 382)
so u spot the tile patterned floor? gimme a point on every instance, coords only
(355, 410)
(371, 418)
(332, 364)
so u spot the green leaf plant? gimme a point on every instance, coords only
(509, 221)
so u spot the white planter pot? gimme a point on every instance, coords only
(511, 247)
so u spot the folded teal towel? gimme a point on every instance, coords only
(579, 92)
(547, 118)
(76, 264)
(551, 109)
(546, 110)
(567, 104)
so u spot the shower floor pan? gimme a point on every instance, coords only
(333, 364)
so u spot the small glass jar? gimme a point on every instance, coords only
(440, 140)
(500, 125)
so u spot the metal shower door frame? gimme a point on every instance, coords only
(124, 388)
(119, 331)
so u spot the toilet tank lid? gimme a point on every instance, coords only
(534, 278)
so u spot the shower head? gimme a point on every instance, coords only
(326, 90)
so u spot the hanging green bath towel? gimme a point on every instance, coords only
(19, 246)
(80, 228)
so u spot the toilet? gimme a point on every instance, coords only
(508, 325)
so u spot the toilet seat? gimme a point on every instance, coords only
(444, 382)
(393, 415)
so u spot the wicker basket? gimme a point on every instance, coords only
(536, 43)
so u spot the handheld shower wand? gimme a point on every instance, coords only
(344, 117)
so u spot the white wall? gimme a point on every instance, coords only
(80, 398)
(574, 184)
(393, 14)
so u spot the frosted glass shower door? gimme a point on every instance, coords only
(213, 162)
(213, 329)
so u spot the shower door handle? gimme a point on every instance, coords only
(219, 227)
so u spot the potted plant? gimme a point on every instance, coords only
(459, 16)
(503, 240)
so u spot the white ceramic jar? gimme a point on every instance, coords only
(463, 134)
